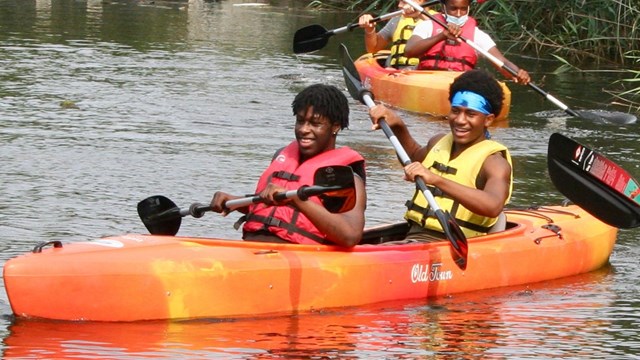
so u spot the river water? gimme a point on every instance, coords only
(103, 103)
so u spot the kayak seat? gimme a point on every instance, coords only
(500, 225)
(394, 232)
(385, 233)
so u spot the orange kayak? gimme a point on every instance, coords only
(420, 91)
(146, 277)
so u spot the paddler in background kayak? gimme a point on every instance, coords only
(321, 111)
(439, 48)
(396, 32)
(469, 175)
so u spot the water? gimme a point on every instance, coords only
(186, 98)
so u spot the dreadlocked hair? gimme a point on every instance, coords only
(327, 101)
(482, 83)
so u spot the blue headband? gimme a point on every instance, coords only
(471, 101)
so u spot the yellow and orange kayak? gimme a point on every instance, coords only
(420, 91)
(145, 277)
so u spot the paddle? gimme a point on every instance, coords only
(614, 117)
(594, 182)
(334, 185)
(451, 229)
(315, 37)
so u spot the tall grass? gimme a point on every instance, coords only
(578, 32)
(602, 31)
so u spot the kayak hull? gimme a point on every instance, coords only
(420, 91)
(144, 277)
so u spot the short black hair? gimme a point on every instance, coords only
(327, 101)
(482, 83)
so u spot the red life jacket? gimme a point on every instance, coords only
(448, 54)
(285, 170)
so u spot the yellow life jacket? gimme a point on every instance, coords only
(401, 35)
(464, 169)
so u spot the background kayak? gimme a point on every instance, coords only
(425, 92)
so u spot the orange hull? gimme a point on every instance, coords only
(145, 277)
(422, 91)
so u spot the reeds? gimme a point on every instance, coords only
(602, 31)
(577, 32)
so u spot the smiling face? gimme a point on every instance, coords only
(476, 99)
(315, 133)
(467, 126)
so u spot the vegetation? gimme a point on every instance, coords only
(600, 32)
(580, 33)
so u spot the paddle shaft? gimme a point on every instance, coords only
(303, 193)
(402, 154)
(197, 210)
(497, 61)
(315, 37)
(352, 26)
(377, 19)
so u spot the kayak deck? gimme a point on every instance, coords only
(144, 277)
(420, 91)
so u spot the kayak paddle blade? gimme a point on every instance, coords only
(593, 182)
(160, 215)
(343, 198)
(456, 237)
(350, 73)
(601, 116)
(310, 38)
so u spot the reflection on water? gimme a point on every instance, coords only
(183, 98)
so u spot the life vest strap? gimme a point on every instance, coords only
(271, 221)
(429, 213)
(440, 57)
(444, 168)
(285, 175)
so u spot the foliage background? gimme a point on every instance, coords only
(580, 33)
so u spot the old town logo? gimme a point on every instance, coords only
(424, 273)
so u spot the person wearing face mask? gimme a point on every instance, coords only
(440, 48)
(395, 33)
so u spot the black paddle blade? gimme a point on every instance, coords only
(350, 73)
(352, 78)
(455, 236)
(341, 177)
(310, 38)
(593, 182)
(160, 215)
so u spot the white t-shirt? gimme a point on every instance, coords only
(425, 28)
(389, 28)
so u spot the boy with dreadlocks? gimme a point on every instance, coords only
(321, 111)
(468, 174)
